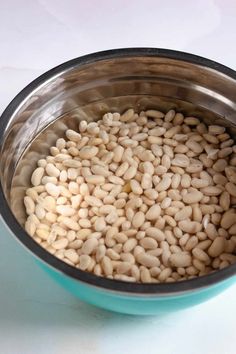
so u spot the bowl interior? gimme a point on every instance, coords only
(88, 91)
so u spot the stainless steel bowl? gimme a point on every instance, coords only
(86, 88)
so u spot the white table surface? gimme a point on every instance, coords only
(36, 315)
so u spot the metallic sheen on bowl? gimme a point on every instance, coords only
(86, 88)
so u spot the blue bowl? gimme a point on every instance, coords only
(88, 87)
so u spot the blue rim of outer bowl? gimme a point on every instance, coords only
(90, 279)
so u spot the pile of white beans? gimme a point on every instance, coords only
(143, 197)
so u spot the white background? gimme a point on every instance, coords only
(36, 315)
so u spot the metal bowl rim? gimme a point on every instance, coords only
(121, 287)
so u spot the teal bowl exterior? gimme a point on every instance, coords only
(144, 77)
(135, 304)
